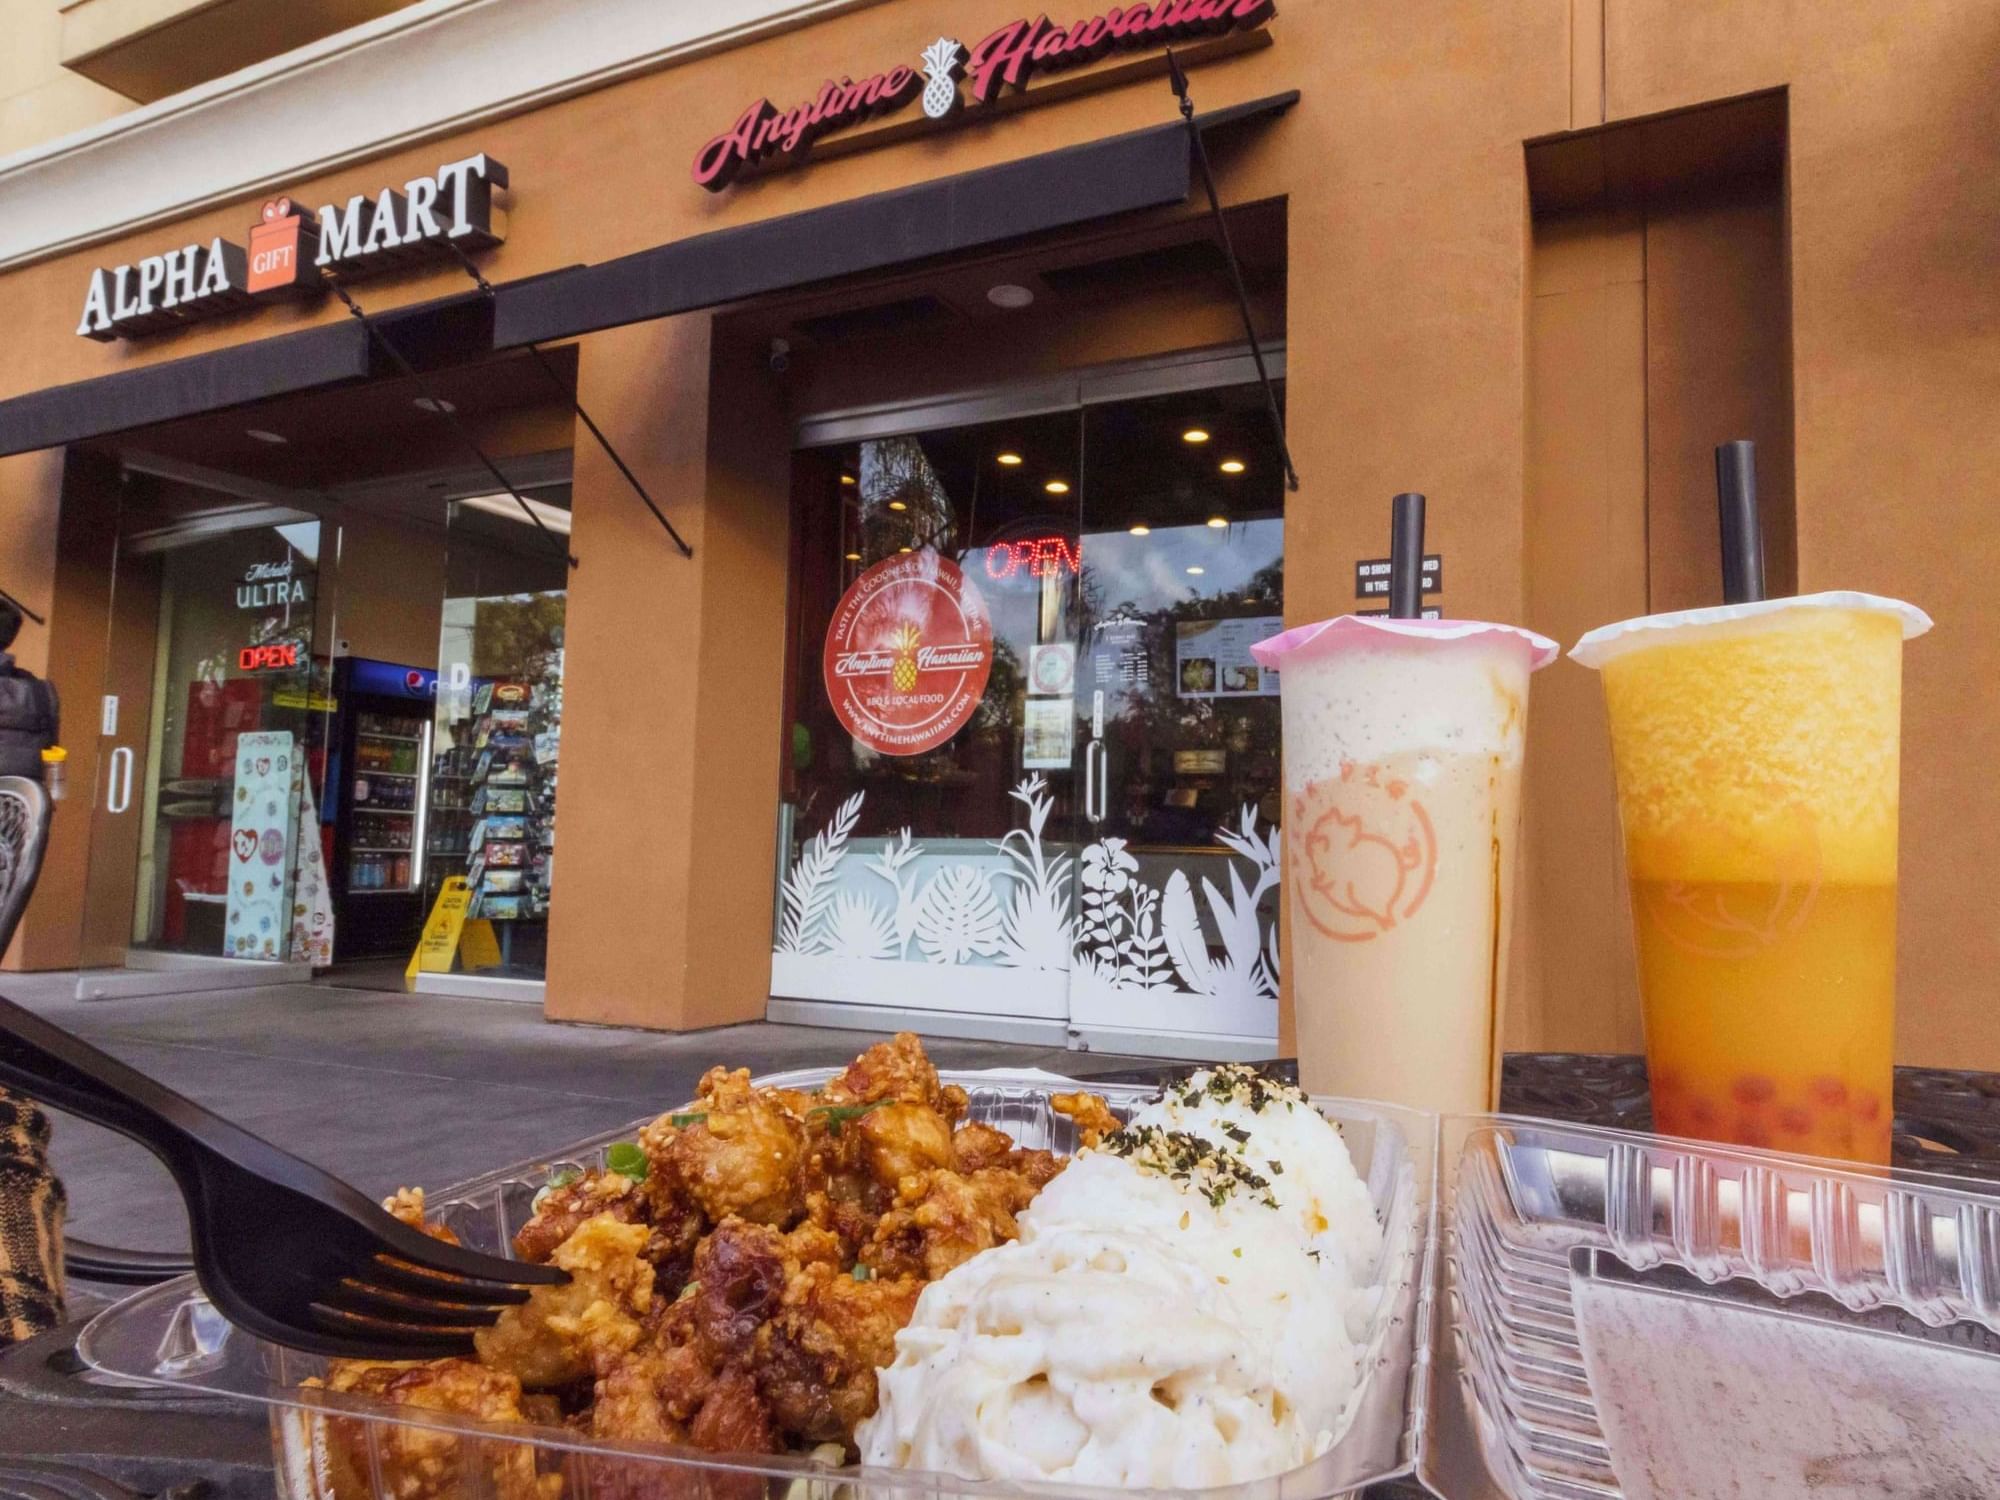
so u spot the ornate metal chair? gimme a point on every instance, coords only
(24, 833)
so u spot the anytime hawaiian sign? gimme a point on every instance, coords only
(908, 654)
(292, 253)
(1004, 59)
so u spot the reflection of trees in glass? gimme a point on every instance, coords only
(1146, 728)
(507, 632)
(895, 472)
(999, 711)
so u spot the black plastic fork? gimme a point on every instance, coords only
(284, 1250)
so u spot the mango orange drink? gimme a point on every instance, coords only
(1757, 751)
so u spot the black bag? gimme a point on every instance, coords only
(30, 720)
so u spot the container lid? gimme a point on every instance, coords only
(1348, 630)
(1608, 641)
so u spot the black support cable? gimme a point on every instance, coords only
(556, 380)
(1178, 79)
(446, 410)
(7, 598)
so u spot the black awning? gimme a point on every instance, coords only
(446, 330)
(183, 387)
(1055, 190)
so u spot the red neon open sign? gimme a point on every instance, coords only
(275, 656)
(1033, 557)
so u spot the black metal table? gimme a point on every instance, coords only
(63, 1433)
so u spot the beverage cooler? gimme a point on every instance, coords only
(379, 791)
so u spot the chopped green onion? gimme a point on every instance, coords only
(564, 1176)
(688, 1291)
(839, 1114)
(627, 1160)
(862, 1273)
(681, 1122)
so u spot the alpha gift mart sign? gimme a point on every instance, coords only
(292, 253)
(1005, 59)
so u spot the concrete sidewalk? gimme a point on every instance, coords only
(387, 1089)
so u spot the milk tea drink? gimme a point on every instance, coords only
(1758, 749)
(1403, 745)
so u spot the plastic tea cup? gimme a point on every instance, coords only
(1756, 748)
(1403, 742)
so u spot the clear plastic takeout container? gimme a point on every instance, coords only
(170, 1335)
(1630, 1317)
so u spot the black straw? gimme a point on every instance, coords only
(1742, 535)
(1406, 556)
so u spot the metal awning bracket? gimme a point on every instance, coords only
(542, 363)
(1177, 78)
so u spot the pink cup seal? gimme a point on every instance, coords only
(1348, 630)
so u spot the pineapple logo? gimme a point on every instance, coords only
(904, 673)
(944, 62)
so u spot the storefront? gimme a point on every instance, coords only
(914, 322)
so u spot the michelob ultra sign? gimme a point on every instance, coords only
(291, 252)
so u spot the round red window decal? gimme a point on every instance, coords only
(908, 654)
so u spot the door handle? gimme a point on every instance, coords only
(1090, 781)
(118, 790)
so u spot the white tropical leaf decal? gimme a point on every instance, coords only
(1180, 926)
(958, 919)
(1236, 922)
(1038, 930)
(808, 889)
(889, 865)
(857, 928)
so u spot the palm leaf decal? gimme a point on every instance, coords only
(808, 889)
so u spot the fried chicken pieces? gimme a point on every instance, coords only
(739, 1290)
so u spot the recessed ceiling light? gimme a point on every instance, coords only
(854, 557)
(1216, 523)
(847, 479)
(1142, 529)
(1197, 570)
(1232, 466)
(433, 403)
(1009, 295)
(906, 549)
(1195, 435)
(1008, 459)
(263, 435)
(1057, 486)
(897, 505)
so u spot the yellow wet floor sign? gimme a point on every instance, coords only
(446, 932)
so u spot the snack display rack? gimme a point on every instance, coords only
(494, 790)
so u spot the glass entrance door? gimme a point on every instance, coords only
(204, 808)
(1177, 894)
(932, 789)
(1033, 770)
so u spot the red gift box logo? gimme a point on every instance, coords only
(283, 250)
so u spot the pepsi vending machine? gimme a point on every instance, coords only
(381, 767)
